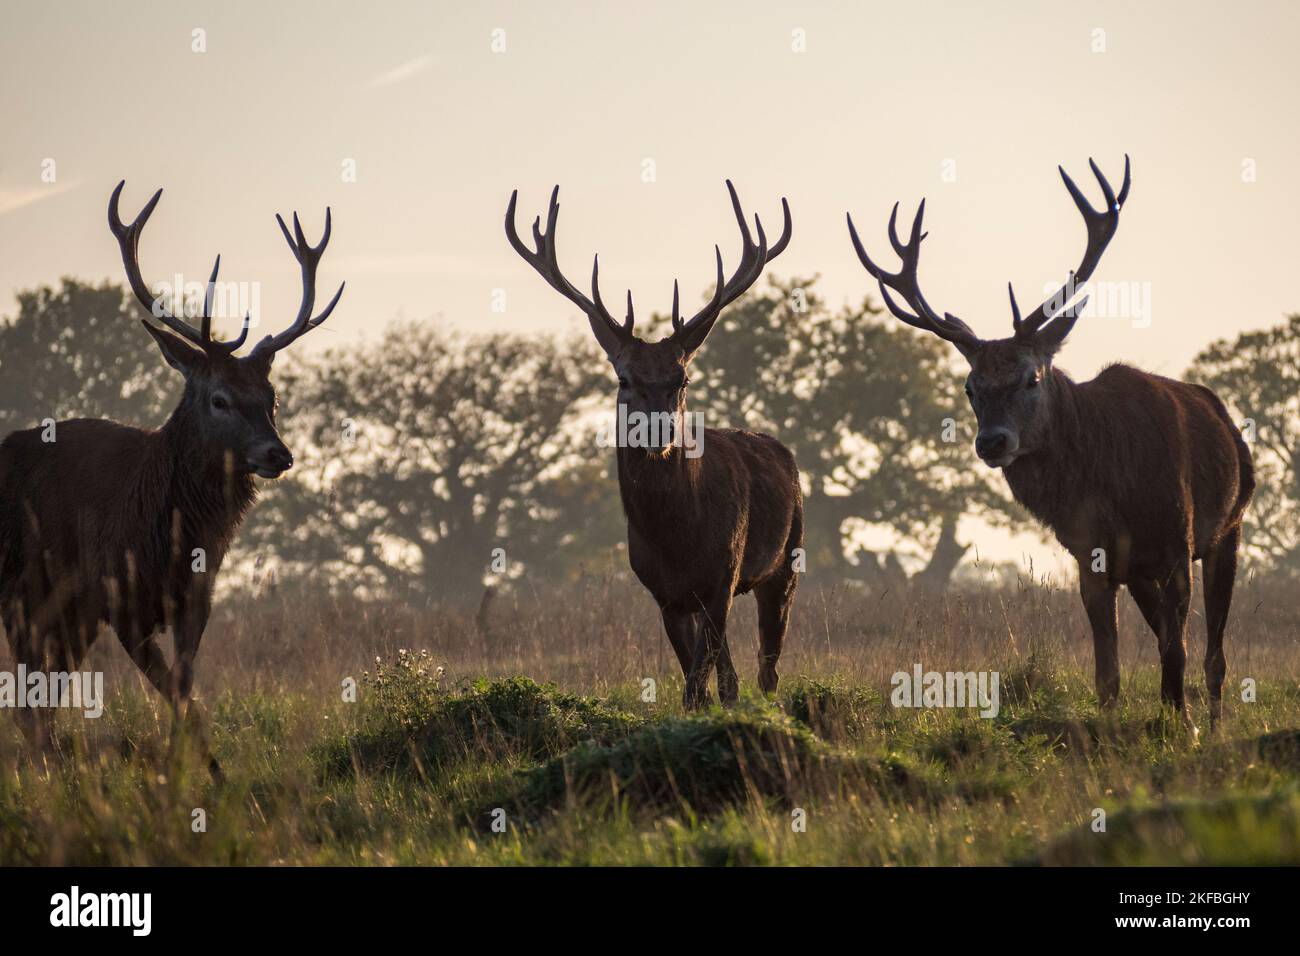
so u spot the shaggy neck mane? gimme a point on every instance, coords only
(1075, 461)
(659, 493)
(196, 485)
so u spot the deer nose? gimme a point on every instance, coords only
(994, 445)
(274, 459)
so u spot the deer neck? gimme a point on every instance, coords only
(203, 493)
(1050, 481)
(655, 488)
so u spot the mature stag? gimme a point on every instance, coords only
(1137, 475)
(116, 525)
(705, 524)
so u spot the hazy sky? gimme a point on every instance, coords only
(969, 104)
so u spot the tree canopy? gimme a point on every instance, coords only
(1257, 375)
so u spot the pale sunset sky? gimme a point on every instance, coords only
(443, 109)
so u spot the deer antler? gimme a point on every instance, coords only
(754, 256)
(128, 239)
(1101, 229)
(904, 282)
(610, 334)
(308, 257)
(613, 335)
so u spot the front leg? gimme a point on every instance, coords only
(1101, 601)
(710, 650)
(680, 626)
(189, 715)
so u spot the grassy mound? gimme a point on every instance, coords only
(689, 765)
(832, 711)
(1232, 830)
(408, 725)
(1280, 748)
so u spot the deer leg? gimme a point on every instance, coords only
(774, 598)
(1219, 567)
(728, 680)
(20, 648)
(709, 647)
(681, 629)
(1101, 601)
(28, 648)
(174, 684)
(188, 636)
(1177, 591)
(1150, 600)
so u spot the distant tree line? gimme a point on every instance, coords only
(430, 464)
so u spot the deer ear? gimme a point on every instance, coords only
(180, 356)
(1049, 339)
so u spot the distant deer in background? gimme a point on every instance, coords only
(116, 525)
(701, 528)
(1137, 475)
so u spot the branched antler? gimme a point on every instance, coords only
(308, 257)
(128, 240)
(613, 335)
(753, 257)
(1101, 229)
(904, 282)
(610, 334)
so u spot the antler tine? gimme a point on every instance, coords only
(209, 293)
(630, 321)
(1101, 225)
(308, 257)
(543, 259)
(128, 240)
(786, 225)
(904, 282)
(753, 258)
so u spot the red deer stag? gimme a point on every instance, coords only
(701, 527)
(1137, 475)
(116, 525)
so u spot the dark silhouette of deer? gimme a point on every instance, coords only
(706, 523)
(109, 524)
(1137, 475)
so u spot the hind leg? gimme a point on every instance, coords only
(774, 599)
(44, 653)
(1219, 572)
(22, 650)
(1177, 592)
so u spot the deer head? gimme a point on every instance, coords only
(652, 376)
(229, 403)
(1006, 375)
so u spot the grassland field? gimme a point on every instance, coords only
(528, 739)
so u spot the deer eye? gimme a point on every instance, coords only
(220, 403)
(1032, 381)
